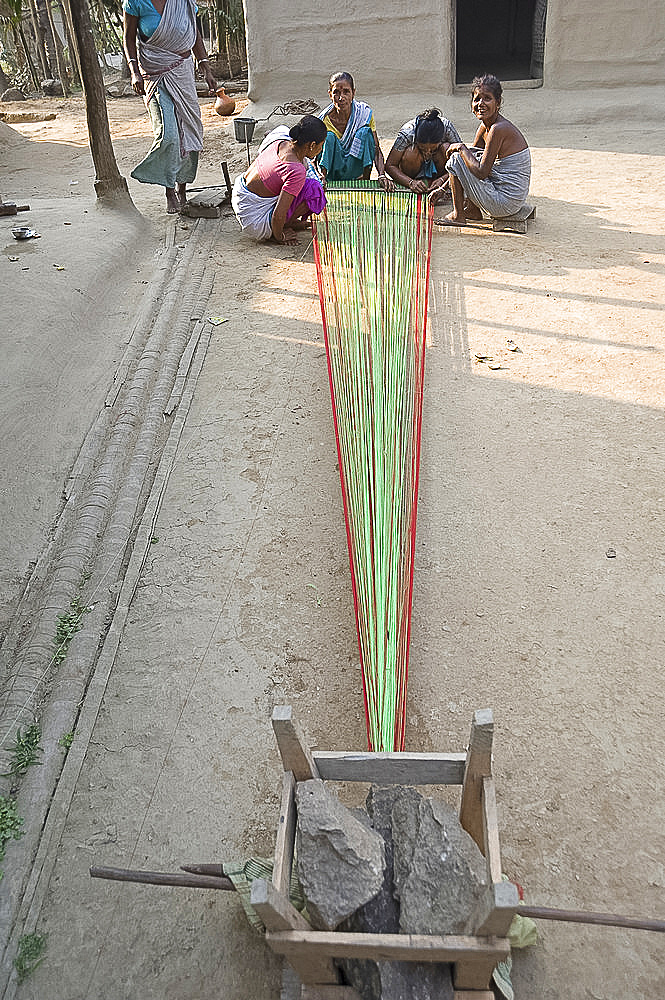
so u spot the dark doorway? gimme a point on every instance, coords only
(504, 37)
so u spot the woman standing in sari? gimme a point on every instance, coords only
(160, 37)
(352, 145)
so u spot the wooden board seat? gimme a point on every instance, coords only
(515, 223)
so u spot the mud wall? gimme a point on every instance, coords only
(292, 48)
(390, 48)
(597, 43)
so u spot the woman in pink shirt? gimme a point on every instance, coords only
(273, 185)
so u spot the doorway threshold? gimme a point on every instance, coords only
(463, 88)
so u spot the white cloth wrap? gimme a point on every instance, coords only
(253, 212)
(161, 63)
(504, 191)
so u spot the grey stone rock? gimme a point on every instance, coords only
(391, 980)
(399, 980)
(120, 88)
(381, 914)
(340, 861)
(439, 873)
(52, 88)
(13, 94)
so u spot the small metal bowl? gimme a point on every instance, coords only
(22, 232)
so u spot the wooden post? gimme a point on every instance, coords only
(478, 766)
(286, 832)
(492, 918)
(278, 914)
(292, 746)
(491, 832)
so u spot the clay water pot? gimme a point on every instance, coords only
(224, 105)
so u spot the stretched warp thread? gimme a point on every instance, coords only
(372, 252)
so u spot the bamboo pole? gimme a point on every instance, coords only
(589, 917)
(39, 39)
(216, 870)
(58, 52)
(19, 34)
(183, 879)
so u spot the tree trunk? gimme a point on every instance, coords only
(228, 54)
(47, 34)
(110, 185)
(4, 83)
(57, 50)
(26, 53)
(39, 40)
(71, 41)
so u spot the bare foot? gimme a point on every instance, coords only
(451, 220)
(471, 211)
(289, 238)
(181, 192)
(172, 202)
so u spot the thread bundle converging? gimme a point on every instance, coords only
(372, 252)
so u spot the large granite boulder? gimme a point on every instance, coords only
(340, 861)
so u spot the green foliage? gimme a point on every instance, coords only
(10, 13)
(30, 954)
(24, 752)
(10, 823)
(68, 625)
(66, 740)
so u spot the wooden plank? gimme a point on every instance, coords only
(478, 766)
(517, 223)
(278, 914)
(491, 831)
(476, 975)
(286, 832)
(492, 918)
(392, 768)
(474, 995)
(275, 909)
(292, 746)
(212, 196)
(389, 947)
(195, 211)
(495, 911)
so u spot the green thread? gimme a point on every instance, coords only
(373, 252)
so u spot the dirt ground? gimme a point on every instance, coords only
(540, 572)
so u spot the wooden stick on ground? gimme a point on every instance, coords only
(216, 870)
(162, 878)
(587, 917)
